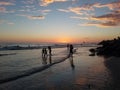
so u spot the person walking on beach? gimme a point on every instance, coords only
(45, 52)
(71, 50)
(49, 49)
(42, 52)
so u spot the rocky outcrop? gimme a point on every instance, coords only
(109, 47)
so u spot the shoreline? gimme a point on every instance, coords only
(29, 47)
(33, 71)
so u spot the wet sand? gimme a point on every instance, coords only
(113, 64)
(80, 72)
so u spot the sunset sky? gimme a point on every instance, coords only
(59, 20)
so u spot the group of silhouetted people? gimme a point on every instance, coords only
(48, 50)
(45, 51)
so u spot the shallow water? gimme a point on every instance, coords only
(24, 61)
(80, 72)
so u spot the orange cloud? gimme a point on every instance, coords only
(2, 9)
(76, 10)
(47, 2)
(45, 12)
(78, 17)
(98, 24)
(112, 19)
(5, 3)
(79, 9)
(105, 20)
(112, 6)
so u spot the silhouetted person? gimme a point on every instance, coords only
(44, 56)
(45, 52)
(42, 52)
(71, 50)
(49, 49)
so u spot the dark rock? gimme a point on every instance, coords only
(109, 48)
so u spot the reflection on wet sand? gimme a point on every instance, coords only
(46, 59)
(50, 59)
(71, 62)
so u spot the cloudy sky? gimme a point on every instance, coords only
(59, 20)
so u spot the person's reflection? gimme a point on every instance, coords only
(44, 60)
(71, 62)
(50, 59)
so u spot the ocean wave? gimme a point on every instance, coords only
(32, 71)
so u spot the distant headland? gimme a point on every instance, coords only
(108, 48)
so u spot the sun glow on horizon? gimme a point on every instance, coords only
(62, 39)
